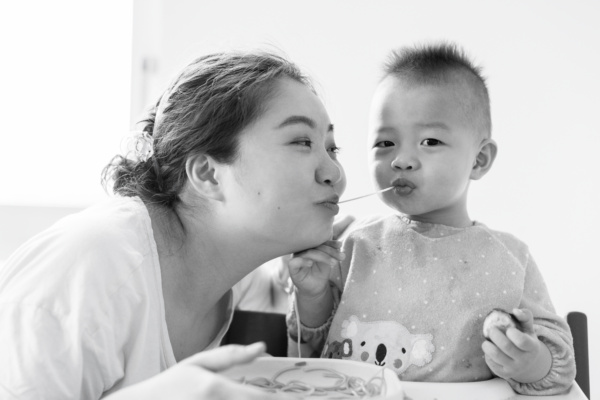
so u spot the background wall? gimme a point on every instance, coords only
(70, 105)
(65, 79)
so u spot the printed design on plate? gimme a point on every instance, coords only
(383, 343)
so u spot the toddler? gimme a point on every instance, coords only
(410, 291)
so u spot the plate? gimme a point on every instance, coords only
(314, 371)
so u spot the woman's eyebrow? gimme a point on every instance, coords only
(301, 119)
(298, 119)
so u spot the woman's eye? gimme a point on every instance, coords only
(384, 143)
(431, 142)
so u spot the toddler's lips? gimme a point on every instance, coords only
(403, 190)
(403, 186)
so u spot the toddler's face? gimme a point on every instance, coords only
(422, 143)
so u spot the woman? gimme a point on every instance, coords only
(237, 165)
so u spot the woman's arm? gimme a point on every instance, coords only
(197, 378)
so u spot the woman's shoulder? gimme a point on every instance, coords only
(97, 246)
(109, 226)
(109, 217)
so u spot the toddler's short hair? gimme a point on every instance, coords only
(440, 63)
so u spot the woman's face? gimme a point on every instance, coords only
(285, 184)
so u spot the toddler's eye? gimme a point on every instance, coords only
(431, 142)
(334, 149)
(384, 143)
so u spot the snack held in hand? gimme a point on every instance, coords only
(499, 319)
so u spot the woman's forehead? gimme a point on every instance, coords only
(295, 103)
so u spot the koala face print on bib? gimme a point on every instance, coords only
(382, 343)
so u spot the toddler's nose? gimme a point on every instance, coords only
(405, 161)
(404, 164)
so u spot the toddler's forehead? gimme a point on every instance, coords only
(457, 85)
(400, 99)
(396, 95)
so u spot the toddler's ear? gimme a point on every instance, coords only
(485, 159)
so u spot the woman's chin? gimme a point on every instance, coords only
(316, 239)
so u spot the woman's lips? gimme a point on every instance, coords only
(332, 206)
(331, 203)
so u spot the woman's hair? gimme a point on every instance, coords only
(202, 112)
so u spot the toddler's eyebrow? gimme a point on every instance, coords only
(433, 125)
(301, 119)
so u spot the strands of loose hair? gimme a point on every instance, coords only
(345, 386)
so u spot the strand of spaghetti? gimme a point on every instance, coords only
(343, 379)
(283, 371)
(345, 387)
(366, 195)
(383, 386)
(299, 331)
(342, 383)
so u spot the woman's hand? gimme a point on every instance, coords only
(518, 355)
(196, 378)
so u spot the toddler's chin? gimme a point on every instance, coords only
(392, 204)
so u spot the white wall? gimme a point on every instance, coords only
(64, 106)
(541, 58)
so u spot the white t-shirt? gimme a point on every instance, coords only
(81, 307)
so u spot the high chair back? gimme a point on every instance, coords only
(252, 326)
(578, 323)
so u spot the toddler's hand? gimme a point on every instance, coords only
(517, 354)
(341, 224)
(310, 269)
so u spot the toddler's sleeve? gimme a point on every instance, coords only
(553, 331)
(311, 340)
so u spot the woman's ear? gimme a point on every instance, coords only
(484, 159)
(200, 170)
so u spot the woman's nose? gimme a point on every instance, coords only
(330, 172)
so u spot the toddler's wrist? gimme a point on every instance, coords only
(312, 296)
(541, 366)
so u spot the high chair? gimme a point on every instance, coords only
(252, 326)
(578, 323)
